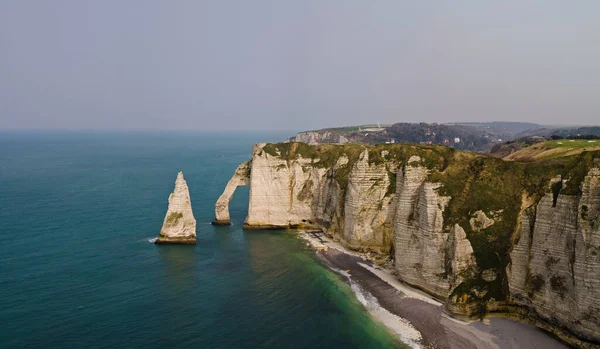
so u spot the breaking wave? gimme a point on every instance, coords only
(402, 327)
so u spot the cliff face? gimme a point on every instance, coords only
(179, 226)
(282, 191)
(480, 233)
(586, 266)
(369, 208)
(428, 256)
(555, 268)
(350, 200)
(318, 137)
(419, 225)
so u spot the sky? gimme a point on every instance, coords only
(296, 65)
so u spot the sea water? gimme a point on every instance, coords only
(77, 271)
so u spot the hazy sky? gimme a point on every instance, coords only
(300, 64)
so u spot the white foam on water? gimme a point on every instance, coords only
(402, 327)
(153, 240)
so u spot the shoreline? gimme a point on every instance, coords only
(417, 318)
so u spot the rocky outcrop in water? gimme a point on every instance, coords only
(480, 233)
(179, 226)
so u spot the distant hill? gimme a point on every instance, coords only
(480, 137)
(504, 127)
(561, 131)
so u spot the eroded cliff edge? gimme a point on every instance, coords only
(482, 234)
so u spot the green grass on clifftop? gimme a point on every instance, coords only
(327, 156)
(497, 187)
(554, 149)
(473, 182)
(572, 143)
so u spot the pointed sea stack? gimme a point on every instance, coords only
(179, 226)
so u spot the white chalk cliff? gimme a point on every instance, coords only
(318, 137)
(555, 269)
(479, 233)
(179, 226)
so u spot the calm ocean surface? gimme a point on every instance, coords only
(76, 210)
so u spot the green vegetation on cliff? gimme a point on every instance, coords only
(473, 182)
(328, 155)
(498, 187)
(173, 217)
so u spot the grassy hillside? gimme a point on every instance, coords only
(554, 149)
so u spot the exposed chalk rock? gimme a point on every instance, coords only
(518, 270)
(282, 191)
(179, 226)
(419, 237)
(241, 177)
(534, 230)
(369, 210)
(342, 161)
(489, 275)
(318, 137)
(480, 221)
(327, 207)
(555, 267)
(459, 254)
(586, 264)
(302, 192)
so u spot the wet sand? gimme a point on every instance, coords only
(420, 312)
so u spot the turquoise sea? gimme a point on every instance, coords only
(76, 211)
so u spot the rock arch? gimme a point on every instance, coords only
(241, 177)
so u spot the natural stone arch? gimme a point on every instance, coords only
(241, 177)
